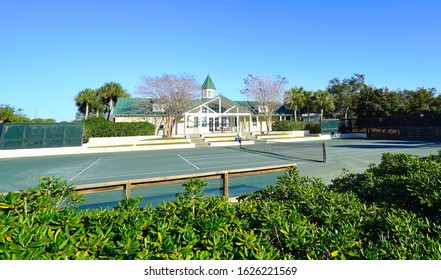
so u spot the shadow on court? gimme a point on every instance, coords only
(391, 145)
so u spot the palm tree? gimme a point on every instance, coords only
(110, 92)
(294, 99)
(324, 100)
(309, 102)
(87, 99)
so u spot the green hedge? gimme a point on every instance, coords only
(100, 127)
(390, 211)
(296, 125)
(288, 126)
(313, 127)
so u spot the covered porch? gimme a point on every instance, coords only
(218, 115)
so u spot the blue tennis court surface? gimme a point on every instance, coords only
(354, 155)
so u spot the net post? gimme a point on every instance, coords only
(324, 152)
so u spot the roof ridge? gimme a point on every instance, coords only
(208, 83)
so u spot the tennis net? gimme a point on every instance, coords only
(311, 151)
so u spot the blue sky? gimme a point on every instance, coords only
(51, 50)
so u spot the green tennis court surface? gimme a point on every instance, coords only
(354, 155)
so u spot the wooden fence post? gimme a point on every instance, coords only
(225, 183)
(127, 190)
(127, 186)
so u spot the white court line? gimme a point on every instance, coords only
(84, 170)
(229, 166)
(188, 162)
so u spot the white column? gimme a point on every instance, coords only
(200, 123)
(185, 123)
(220, 105)
(219, 118)
(238, 122)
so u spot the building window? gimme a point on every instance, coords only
(225, 122)
(208, 93)
(214, 107)
(158, 108)
(196, 121)
(204, 122)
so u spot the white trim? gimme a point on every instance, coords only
(219, 115)
(220, 105)
(203, 104)
(232, 109)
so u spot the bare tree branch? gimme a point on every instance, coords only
(172, 94)
(267, 92)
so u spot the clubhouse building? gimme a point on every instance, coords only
(210, 114)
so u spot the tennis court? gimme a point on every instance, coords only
(354, 155)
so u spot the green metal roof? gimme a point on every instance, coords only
(195, 103)
(144, 106)
(253, 107)
(250, 106)
(208, 83)
(133, 107)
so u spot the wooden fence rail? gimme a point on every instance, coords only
(128, 185)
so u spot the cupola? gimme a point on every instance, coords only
(208, 88)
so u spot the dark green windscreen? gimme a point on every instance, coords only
(40, 135)
(330, 126)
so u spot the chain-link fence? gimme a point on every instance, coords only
(409, 126)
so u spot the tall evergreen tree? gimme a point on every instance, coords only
(345, 91)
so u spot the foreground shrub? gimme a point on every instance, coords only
(400, 181)
(192, 227)
(41, 223)
(305, 220)
(297, 218)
